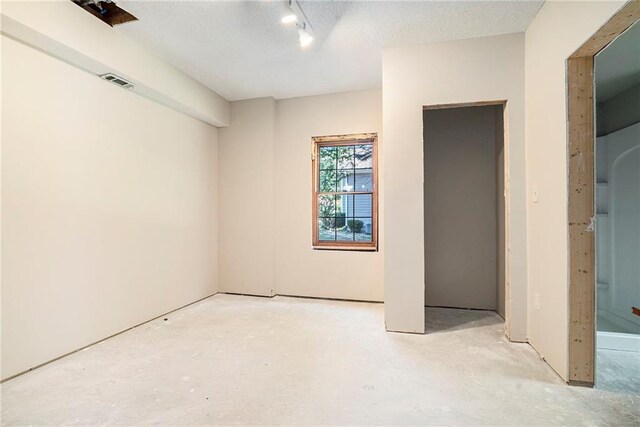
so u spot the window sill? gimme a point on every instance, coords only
(346, 248)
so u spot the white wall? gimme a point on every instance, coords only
(108, 208)
(265, 199)
(482, 69)
(556, 32)
(247, 208)
(300, 270)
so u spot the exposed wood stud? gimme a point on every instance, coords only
(464, 104)
(581, 210)
(618, 24)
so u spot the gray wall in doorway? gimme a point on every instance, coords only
(464, 207)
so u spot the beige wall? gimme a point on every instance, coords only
(556, 32)
(265, 199)
(300, 270)
(109, 212)
(246, 208)
(473, 70)
(461, 188)
(108, 208)
(89, 44)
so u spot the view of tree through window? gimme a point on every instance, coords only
(345, 192)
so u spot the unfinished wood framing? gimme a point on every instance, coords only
(615, 26)
(581, 193)
(463, 105)
(344, 140)
(581, 213)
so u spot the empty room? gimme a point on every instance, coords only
(327, 213)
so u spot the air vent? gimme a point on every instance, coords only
(117, 80)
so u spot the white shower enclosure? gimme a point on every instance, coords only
(618, 238)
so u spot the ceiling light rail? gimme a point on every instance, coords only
(293, 14)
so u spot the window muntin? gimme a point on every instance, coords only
(345, 192)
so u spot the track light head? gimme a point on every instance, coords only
(289, 15)
(289, 18)
(304, 38)
(293, 14)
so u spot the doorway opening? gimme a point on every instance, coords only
(464, 207)
(582, 203)
(617, 207)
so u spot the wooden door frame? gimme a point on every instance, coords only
(507, 199)
(581, 194)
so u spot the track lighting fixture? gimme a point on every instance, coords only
(294, 14)
(289, 19)
(304, 37)
(289, 16)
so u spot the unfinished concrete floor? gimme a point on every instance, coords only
(244, 360)
(618, 371)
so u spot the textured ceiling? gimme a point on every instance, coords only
(241, 50)
(618, 65)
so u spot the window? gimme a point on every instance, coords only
(345, 192)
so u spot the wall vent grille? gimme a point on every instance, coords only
(117, 80)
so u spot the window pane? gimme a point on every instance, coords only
(363, 205)
(364, 180)
(328, 157)
(341, 220)
(346, 205)
(344, 234)
(345, 157)
(326, 206)
(364, 156)
(345, 180)
(363, 229)
(326, 229)
(328, 181)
